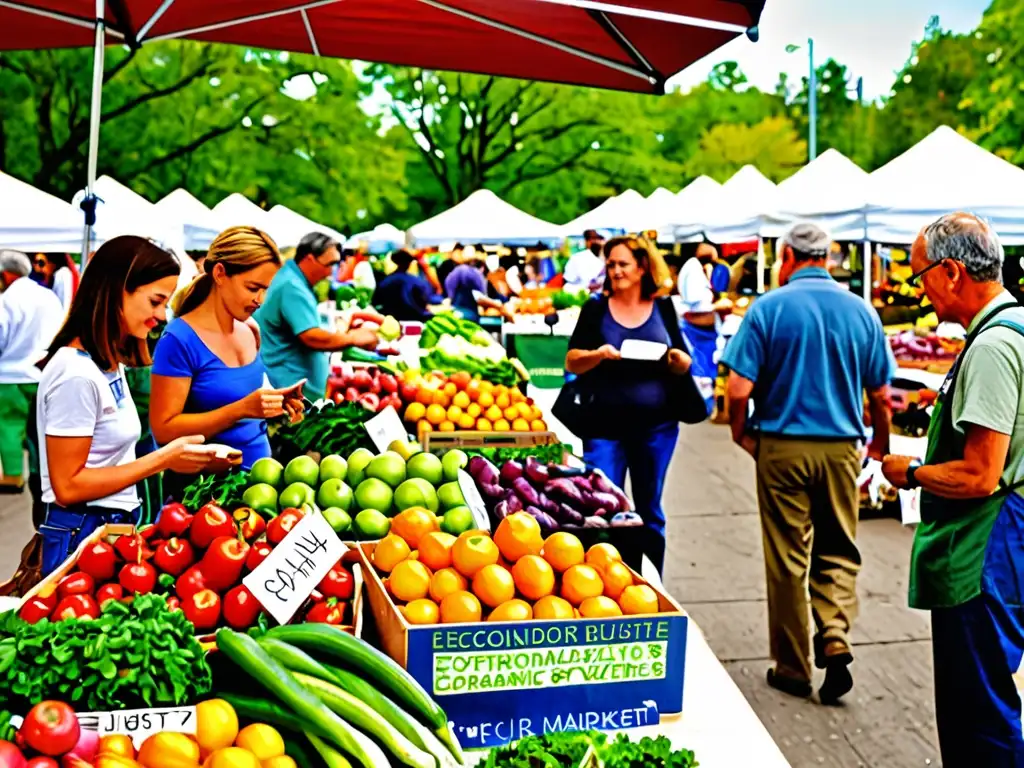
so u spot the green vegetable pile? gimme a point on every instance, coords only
(223, 489)
(348, 296)
(545, 454)
(566, 299)
(331, 428)
(558, 750)
(446, 323)
(134, 655)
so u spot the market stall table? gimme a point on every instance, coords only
(541, 348)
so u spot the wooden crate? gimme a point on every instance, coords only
(444, 441)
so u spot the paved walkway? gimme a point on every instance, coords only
(716, 571)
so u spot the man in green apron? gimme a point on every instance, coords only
(967, 564)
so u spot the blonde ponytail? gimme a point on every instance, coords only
(192, 295)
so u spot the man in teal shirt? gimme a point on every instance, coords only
(967, 564)
(294, 345)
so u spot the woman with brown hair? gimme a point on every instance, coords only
(208, 375)
(85, 417)
(634, 403)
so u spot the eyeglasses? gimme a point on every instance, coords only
(915, 279)
(40, 263)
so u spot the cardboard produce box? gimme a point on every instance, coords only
(497, 680)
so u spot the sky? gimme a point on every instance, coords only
(871, 37)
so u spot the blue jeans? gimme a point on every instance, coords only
(64, 530)
(645, 455)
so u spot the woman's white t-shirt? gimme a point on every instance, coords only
(77, 399)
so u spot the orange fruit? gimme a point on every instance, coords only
(601, 554)
(410, 580)
(493, 413)
(454, 413)
(483, 425)
(616, 578)
(510, 413)
(502, 426)
(471, 553)
(422, 611)
(637, 600)
(436, 549)
(435, 414)
(446, 426)
(461, 399)
(473, 390)
(459, 607)
(446, 581)
(518, 535)
(401, 610)
(503, 401)
(466, 421)
(578, 583)
(563, 550)
(516, 395)
(413, 524)
(390, 551)
(425, 395)
(423, 428)
(538, 426)
(552, 607)
(460, 379)
(415, 412)
(414, 555)
(533, 576)
(525, 411)
(520, 425)
(474, 410)
(486, 399)
(493, 584)
(450, 389)
(599, 607)
(512, 610)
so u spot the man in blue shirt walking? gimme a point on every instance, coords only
(403, 295)
(805, 354)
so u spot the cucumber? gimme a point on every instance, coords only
(252, 659)
(264, 710)
(332, 758)
(296, 660)
(338, 644)
(365, 718)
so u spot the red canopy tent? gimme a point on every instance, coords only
(632, 45)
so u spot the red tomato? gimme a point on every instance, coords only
(76, 607)
(76, 584)
(203, 609)
(257, 554)
(51, 728)
(282, 525)
(253, 526)
(109, 592)
(38, 608)
(241, 608)
(337, 583)
(99, 561)
(138, 578)
(10, 756)
(223, 562)
(174, 520)
(174, 556)
(129, 548)
(42, 762)
(190, 582)
(210, 522)
(327, 612)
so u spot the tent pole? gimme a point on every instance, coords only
(89, 203)
(869, 263)
(760, 264)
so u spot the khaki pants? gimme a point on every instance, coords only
(807, 493)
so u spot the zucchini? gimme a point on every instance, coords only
(296, 660)
(332, 758)
(365, 718)
(358, 654)
(264, 710)
(255, 661)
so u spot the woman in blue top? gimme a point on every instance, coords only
(208, 377)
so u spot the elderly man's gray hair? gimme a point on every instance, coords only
(15, 262)
(968, 239)
(808, 241)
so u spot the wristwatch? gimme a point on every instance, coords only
(912, 481)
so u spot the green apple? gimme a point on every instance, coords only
(302, 469)
(374, 493)
(333, 467)
(262, 497)
(426, 466)
(450, 495)
(334, 493)
(452, 462)
(416, 492)
(389, 467)
(457, 520)
(267, 470)
(357, 464)
(295, 495)
(404, 448)
(338, 519)
(371, 524)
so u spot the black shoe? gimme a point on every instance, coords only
(789, 685)
(12, 490)
(838, 680)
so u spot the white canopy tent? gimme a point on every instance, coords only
(483, 217)
(693, 206)
(380, 239)
(628, 212)
(122, 211)
(745, 198)
(288, 227)
(944, 172)
(35, 221)
(236, 210)
(830, 191)
(196, 220)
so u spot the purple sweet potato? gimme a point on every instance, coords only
(526, 492)
(563, 489)
(536, 472)
(510, 471)
(568, 515)
(483, 471)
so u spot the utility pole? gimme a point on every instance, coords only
(812, 103)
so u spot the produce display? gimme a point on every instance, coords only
(370, 387)
(350, 296)
(517, 575)
(328, 428)
(569, 749)
(568, 299)
(459, 401)
(458, 345)
(556, 496)
(924, 347)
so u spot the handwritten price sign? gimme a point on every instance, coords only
(139, 724)
(284, 580)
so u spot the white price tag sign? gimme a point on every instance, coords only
(910, 506)
(140, 724)
(385, 428)
(475, 502)
(285, 579)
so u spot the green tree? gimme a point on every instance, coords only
(772, 146)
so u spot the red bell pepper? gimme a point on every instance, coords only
(99, 561)
(174, 556)
(76, 607)
(190, 582)
(137, 578)
(337, 583)
(210, 523)
(132, 549)
(109, 592)
(223, 562)
(174, 520)
(253, 525)
(328, 612)
(38, 608)
(203, 609)
(258, 552)
(282, 525)
(241, 608)
(76, 584)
